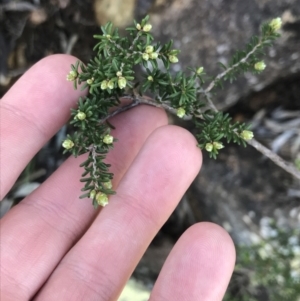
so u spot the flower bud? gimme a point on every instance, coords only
(81, 115)
(218, 145)
(145, 56)
(90, 81)
(101, 199)
(147, 27)
(260, 66)
(122, 82)
(153, 55)
(92, 194)
(108, 36)
(110, 84)
(247, 135)
(209, 147)
(138, 26)
(68, 144)
(104, 85)
(108, 139)
(275, 24)
(149, 49)
(173, 59)
(150, 78)
(119, 73)
(180, 112)
(199, 70)
(72, 75)
(108, 184)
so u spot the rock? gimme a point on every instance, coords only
(120, 12)
(240, 188)
(208, 32)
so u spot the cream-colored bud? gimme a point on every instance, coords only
(138, 26)
(209, 147)
(68, 144)
(122, 82)
(247, 135)
(72, 75)
(108, 184)
(180, 112)
(218, 145)
(200, 70)
(108, 36)
(149, 49)
(108, 139)
(260, 66)
(104, 85)
(101, 199)
(150, 78)
(90, 81)
(119, 73)
(110, 84)
(145, 56)
(93, 194)
(276, 24)
(81, 115)
(173, 59)
(147, 27)
(153, 55)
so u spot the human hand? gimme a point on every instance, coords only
(55, 246)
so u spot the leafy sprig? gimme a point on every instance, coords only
(111, 75)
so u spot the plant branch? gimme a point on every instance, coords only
(92, 149)
(288, 167)
(224, 73)
(275, 158)
(138, 100)
(120, 110)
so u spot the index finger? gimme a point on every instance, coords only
(26, 124)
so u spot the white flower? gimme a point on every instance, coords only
(199, 70)
(108, 139)
(247, 135)
(102, 199)
(218, 145)
(81, 115)
(104, 85)
(122, 82)
(209, 147)
(180, 112)
(147, 27)
(68, 144)
(173, 59)
(276, 24)
(149, 49)
(260, 66)
(72, 75)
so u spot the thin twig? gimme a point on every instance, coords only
(290, 168)
(120, 110)
(138, 100)
(224, 73)
(92, 149)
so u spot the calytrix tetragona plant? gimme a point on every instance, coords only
(110, 77)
